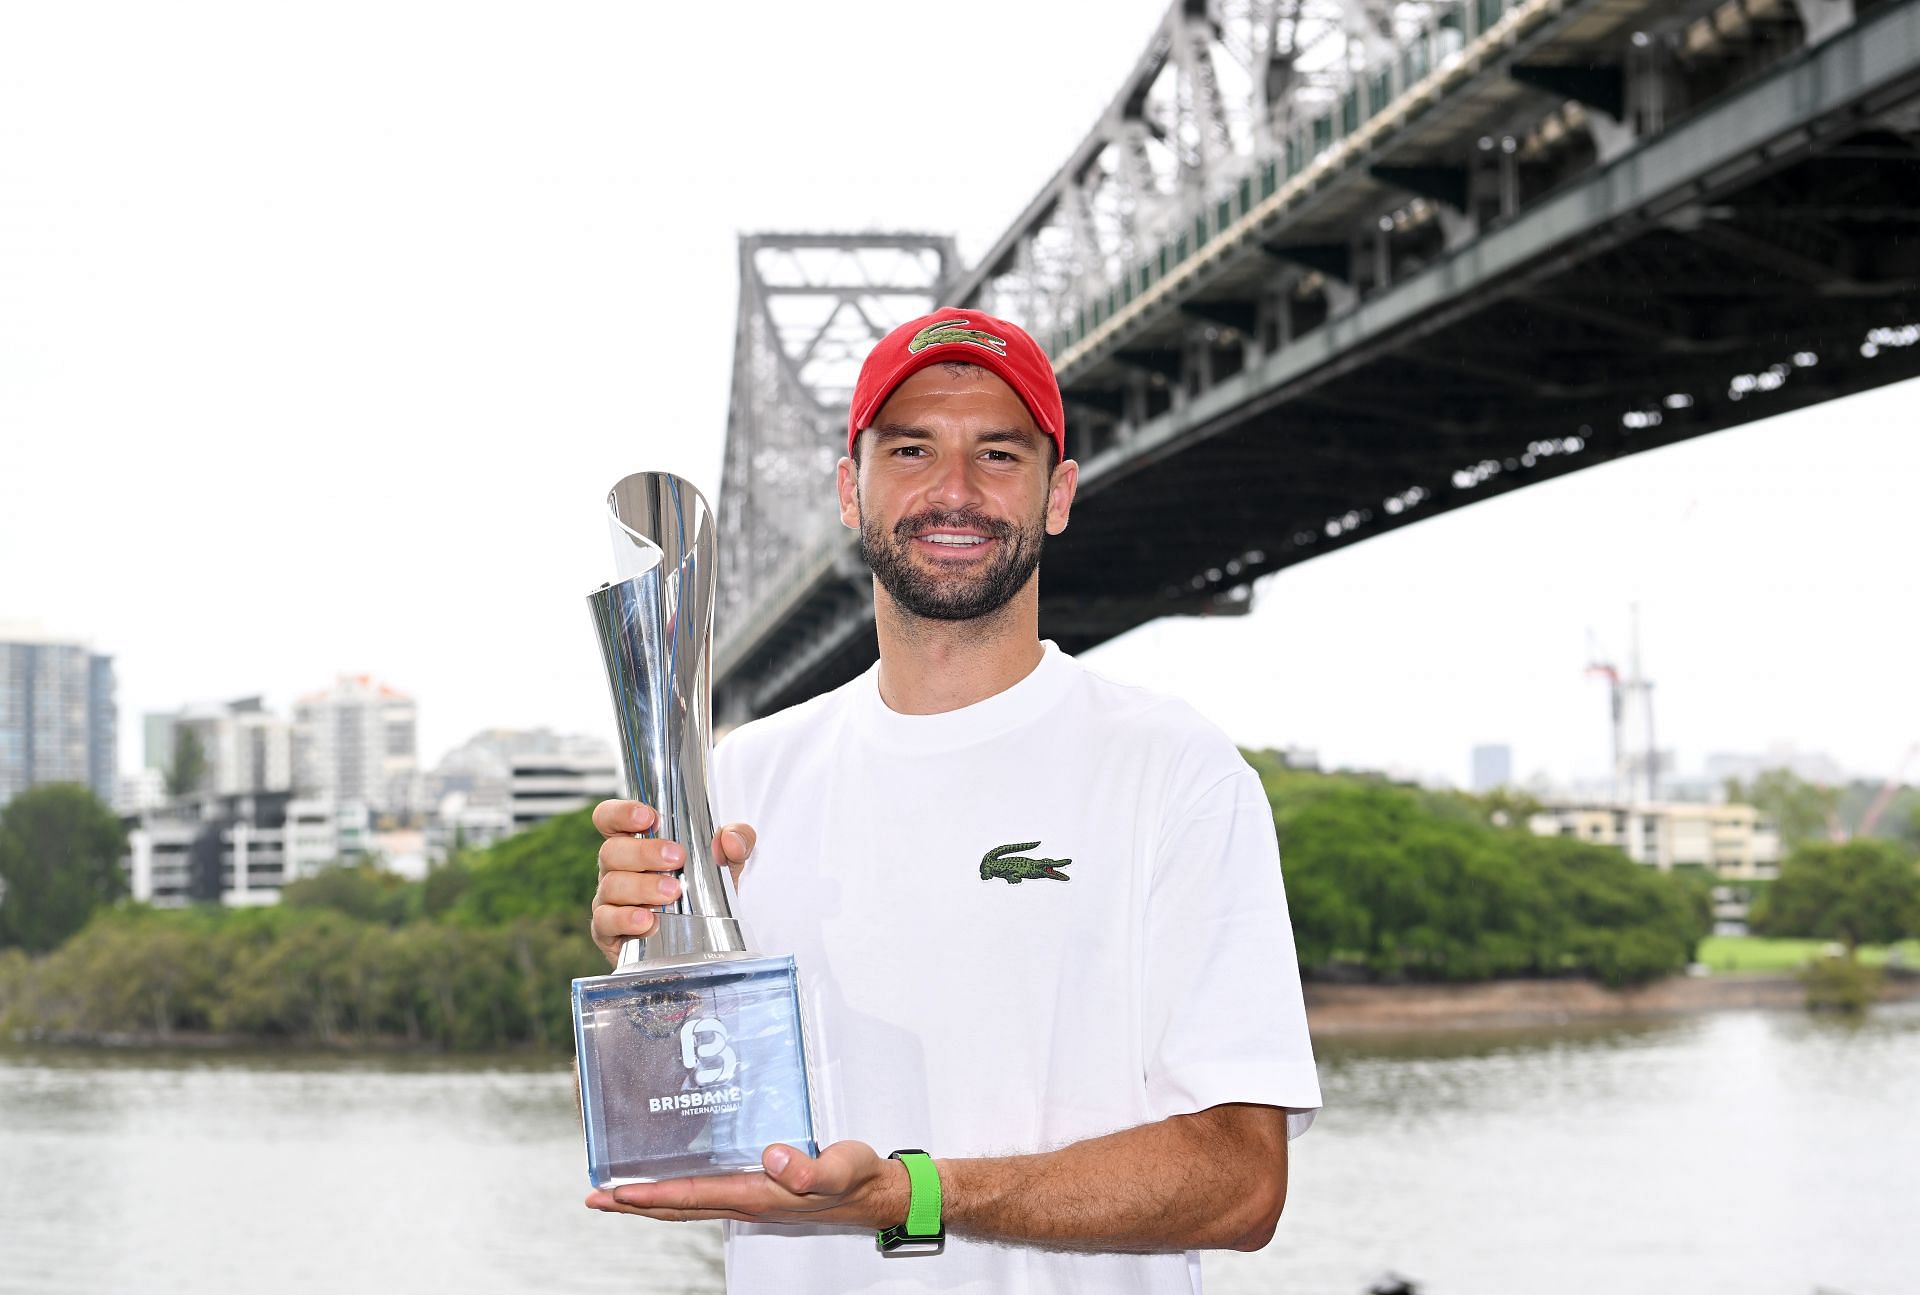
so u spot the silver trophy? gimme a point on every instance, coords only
(691, 1053)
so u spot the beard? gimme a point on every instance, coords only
(952, 596)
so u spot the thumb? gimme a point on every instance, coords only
(794, 1170)
(736, 842)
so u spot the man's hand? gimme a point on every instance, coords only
(636, 873)
(850, 1184)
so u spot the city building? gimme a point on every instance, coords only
(321, 833)
(543, 786)
(139, 791)
(459, 823)
(239, 850)
(209, 849)
(58, 721)
(245, 747)
(1734, 841)
(356, 742)
(1492, 767)
(1808, 766)
(502, 780)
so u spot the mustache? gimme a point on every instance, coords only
(965, 518)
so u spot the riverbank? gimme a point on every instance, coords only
(1337, 1009)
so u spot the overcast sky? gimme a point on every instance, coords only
(324, 329)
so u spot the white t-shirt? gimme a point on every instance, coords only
(975, 1015)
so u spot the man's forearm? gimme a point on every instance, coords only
(1213, 1180)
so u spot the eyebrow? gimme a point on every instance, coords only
(883, 432)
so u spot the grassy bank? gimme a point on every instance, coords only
(1743, 953)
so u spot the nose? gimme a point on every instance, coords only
(956, 484)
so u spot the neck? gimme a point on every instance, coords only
(930, 666)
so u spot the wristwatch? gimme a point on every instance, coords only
(921, 1234)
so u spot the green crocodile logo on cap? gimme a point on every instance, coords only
(1013, 871)
(957, 330)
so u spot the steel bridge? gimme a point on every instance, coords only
(1325, 269)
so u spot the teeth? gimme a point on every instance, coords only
(954, 539)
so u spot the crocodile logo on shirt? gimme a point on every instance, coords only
(1002, 862)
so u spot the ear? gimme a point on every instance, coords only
(1060, 488)
(847, 475)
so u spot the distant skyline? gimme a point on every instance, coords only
(327, 330)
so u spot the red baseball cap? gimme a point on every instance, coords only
(968, 336)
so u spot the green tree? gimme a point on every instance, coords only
(547, 871)
(1802, 810)
(60, 858)
(187, 770)
(1409, 883)
(444, 885)
(1862, 892)
(1906, 827)
(359, 890)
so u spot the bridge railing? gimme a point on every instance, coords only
(1228, 114)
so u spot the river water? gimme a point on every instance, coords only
(1738, 1153)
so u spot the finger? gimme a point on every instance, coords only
(737, 841)
(640, 854)
(612, 817)
(612, 924)
(632, 889)
(800, 1173)
(745, 1193)
(606, 1204)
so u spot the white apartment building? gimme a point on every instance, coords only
(238, 850)
(1734, 841)
(458, 822)
(247, 748)
(356, 742)
(324, 832)
(543, 786)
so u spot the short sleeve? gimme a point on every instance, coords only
(1223, 1019)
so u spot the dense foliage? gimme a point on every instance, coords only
(60, 852)
(301, 973)
(1389, 880)
(1404, 883)
(478, 955)
(1862, 892)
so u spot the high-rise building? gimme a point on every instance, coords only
(357, 742)
(1492, 766)
(246, 748)
(58, 721)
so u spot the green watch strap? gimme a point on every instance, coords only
(921, 1233)
(923, 1206)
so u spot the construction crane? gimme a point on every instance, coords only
(1636, 779)
(1619, 711)
(1871, 818)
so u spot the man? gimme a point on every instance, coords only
(1039, 914)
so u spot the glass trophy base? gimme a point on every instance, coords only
(690, 1068)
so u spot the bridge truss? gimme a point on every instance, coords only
(1321, 270)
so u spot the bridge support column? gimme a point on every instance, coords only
(1196, 364)
(1133, 406)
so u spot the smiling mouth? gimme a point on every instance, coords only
(954, 541)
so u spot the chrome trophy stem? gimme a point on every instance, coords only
(655, 626)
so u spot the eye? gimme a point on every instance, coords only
(914, 450)
(1000, 456)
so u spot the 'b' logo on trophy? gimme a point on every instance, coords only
(704, 1051)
